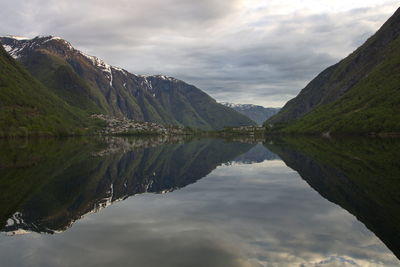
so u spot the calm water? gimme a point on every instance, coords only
(208, 202)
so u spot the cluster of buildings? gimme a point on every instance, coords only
(121, 126)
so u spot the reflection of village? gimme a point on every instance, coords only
(125, 167)
(120, 144)
(117, 144)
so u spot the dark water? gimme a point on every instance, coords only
(207, 202)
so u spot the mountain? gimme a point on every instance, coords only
(88, 83)
(360, 94)
(257, 113)
(360, 175)
(48, 184)
(29, 108)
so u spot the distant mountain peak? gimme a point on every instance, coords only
(243, 106)
(16, 37)
(18, 44)
(15, 45)
(257, 113)
(159, 76)
(15, 49)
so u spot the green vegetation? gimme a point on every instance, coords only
(360, 174)
(359, 95)
(27, 108)
(191, 107)
(93, 87)
(372, 105)
(29, 164)
(60, 78)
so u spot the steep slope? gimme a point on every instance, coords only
(360, 94)
(257, 113)
(89, 83)
(29, 108)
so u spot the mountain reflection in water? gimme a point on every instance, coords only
(249, 210)
(360, 175)
(74, 177)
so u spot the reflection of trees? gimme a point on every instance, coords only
(360, 175)
(49, 184)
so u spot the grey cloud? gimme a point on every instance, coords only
(265, 60)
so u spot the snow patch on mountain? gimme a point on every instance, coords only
(99, 63)
(17, 44)
(166, 78)
(257, 113)
(8, 48)
(56, 38)
(19, 38)
(13, 51)
(241, 106)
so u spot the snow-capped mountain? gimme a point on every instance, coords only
(257, 113)
(90, 84)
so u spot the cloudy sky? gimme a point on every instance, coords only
(241, 51)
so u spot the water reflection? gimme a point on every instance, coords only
(256, 154)
(360, 175)
(238, 204)
(53, 183)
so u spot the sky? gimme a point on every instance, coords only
(241, 51)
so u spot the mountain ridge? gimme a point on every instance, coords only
(257, 113)
(29, 108)
(91, 84)
(357, 95)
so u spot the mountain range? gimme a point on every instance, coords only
(54, 88)
(92, 86)
(257, 113)
(360, 94)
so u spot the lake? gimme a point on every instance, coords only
(200, 202)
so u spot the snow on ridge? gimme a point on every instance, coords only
(21, 43)
(99, 63)
(50, 38)
(167, 78)
(13, 51)
(19, 231)
(231, 105)
(16, 220)
(8, 48)
(146, 82)
(119, 69)
(159, 76)
(19, 38)
(242, 106)
(57, 38)
(95, 61)
(40, 40)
